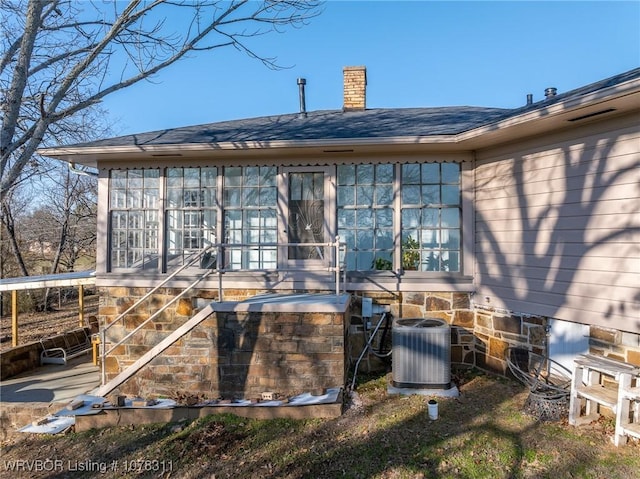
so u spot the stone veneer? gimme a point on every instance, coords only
(615, 344)
(478, 337)
(298, 344)
(232, 353)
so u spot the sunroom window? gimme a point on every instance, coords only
(191, 211)
(431, 216)
(250, 219)
(365, 215)
(133, 210)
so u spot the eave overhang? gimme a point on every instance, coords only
(620, 99)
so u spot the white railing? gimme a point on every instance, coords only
(335, 265)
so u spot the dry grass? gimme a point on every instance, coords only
(481, 434)
(35, 326)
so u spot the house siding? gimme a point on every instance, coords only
(557, 226)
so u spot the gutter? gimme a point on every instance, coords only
(77, 171)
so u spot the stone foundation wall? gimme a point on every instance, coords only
(244, 354)
(19, 359)
(478, 337)
(229, 354)
(615, 344)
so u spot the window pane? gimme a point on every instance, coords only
(384, 174)
(384, 218)
(209, 197)
(209, 177)
(364, 260)
(410, 174)
(430, 194)
(410, 194)
(450, 195)
(384, 239)
(451, 239)
(191, 177)
(251, 196)
(346, 218)
(118, 179)
(410, 218)
(151, 196)
(365, 218)
(118, 198)
(268, 196)
(134, 198)
(384, 194)
(346, 175)
(252, 176)
(364, 239)
(174, 177)
(451, 173)
(451, 261)
(364, 174)
(232, 197)
(450, 218)
(346, 195)
(135, 179)
(430, 173)
(232, 176)
(430, 217)
(268, 176)
(364, 195)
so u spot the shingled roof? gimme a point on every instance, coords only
(321, 125)
(376, 123)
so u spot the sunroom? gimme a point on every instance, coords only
(395, 220)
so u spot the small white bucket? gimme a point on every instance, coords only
(433, 409)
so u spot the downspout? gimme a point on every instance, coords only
(77, 171)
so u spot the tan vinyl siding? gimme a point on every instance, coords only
(558, 226)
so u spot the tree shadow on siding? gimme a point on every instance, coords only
(571, 217)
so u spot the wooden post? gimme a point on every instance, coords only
(14, 318)
(81, 305)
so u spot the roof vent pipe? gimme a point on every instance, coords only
(303, 107)
(550, 92)
(529, 99)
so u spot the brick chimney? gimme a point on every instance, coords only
(355, 88)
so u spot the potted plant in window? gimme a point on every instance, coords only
(382, 264)
(410, 254)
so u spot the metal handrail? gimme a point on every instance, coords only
(103, 333)
(160, 285)
(338, 267)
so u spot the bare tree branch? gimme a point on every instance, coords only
(61, 57)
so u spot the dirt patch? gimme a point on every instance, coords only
(36, 326)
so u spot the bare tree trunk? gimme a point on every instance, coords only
(9, 226)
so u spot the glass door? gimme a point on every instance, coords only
(306, 217)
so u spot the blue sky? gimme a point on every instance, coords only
(417, 54)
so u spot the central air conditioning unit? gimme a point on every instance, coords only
(421, 353)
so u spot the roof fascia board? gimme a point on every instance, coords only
(563, 107)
